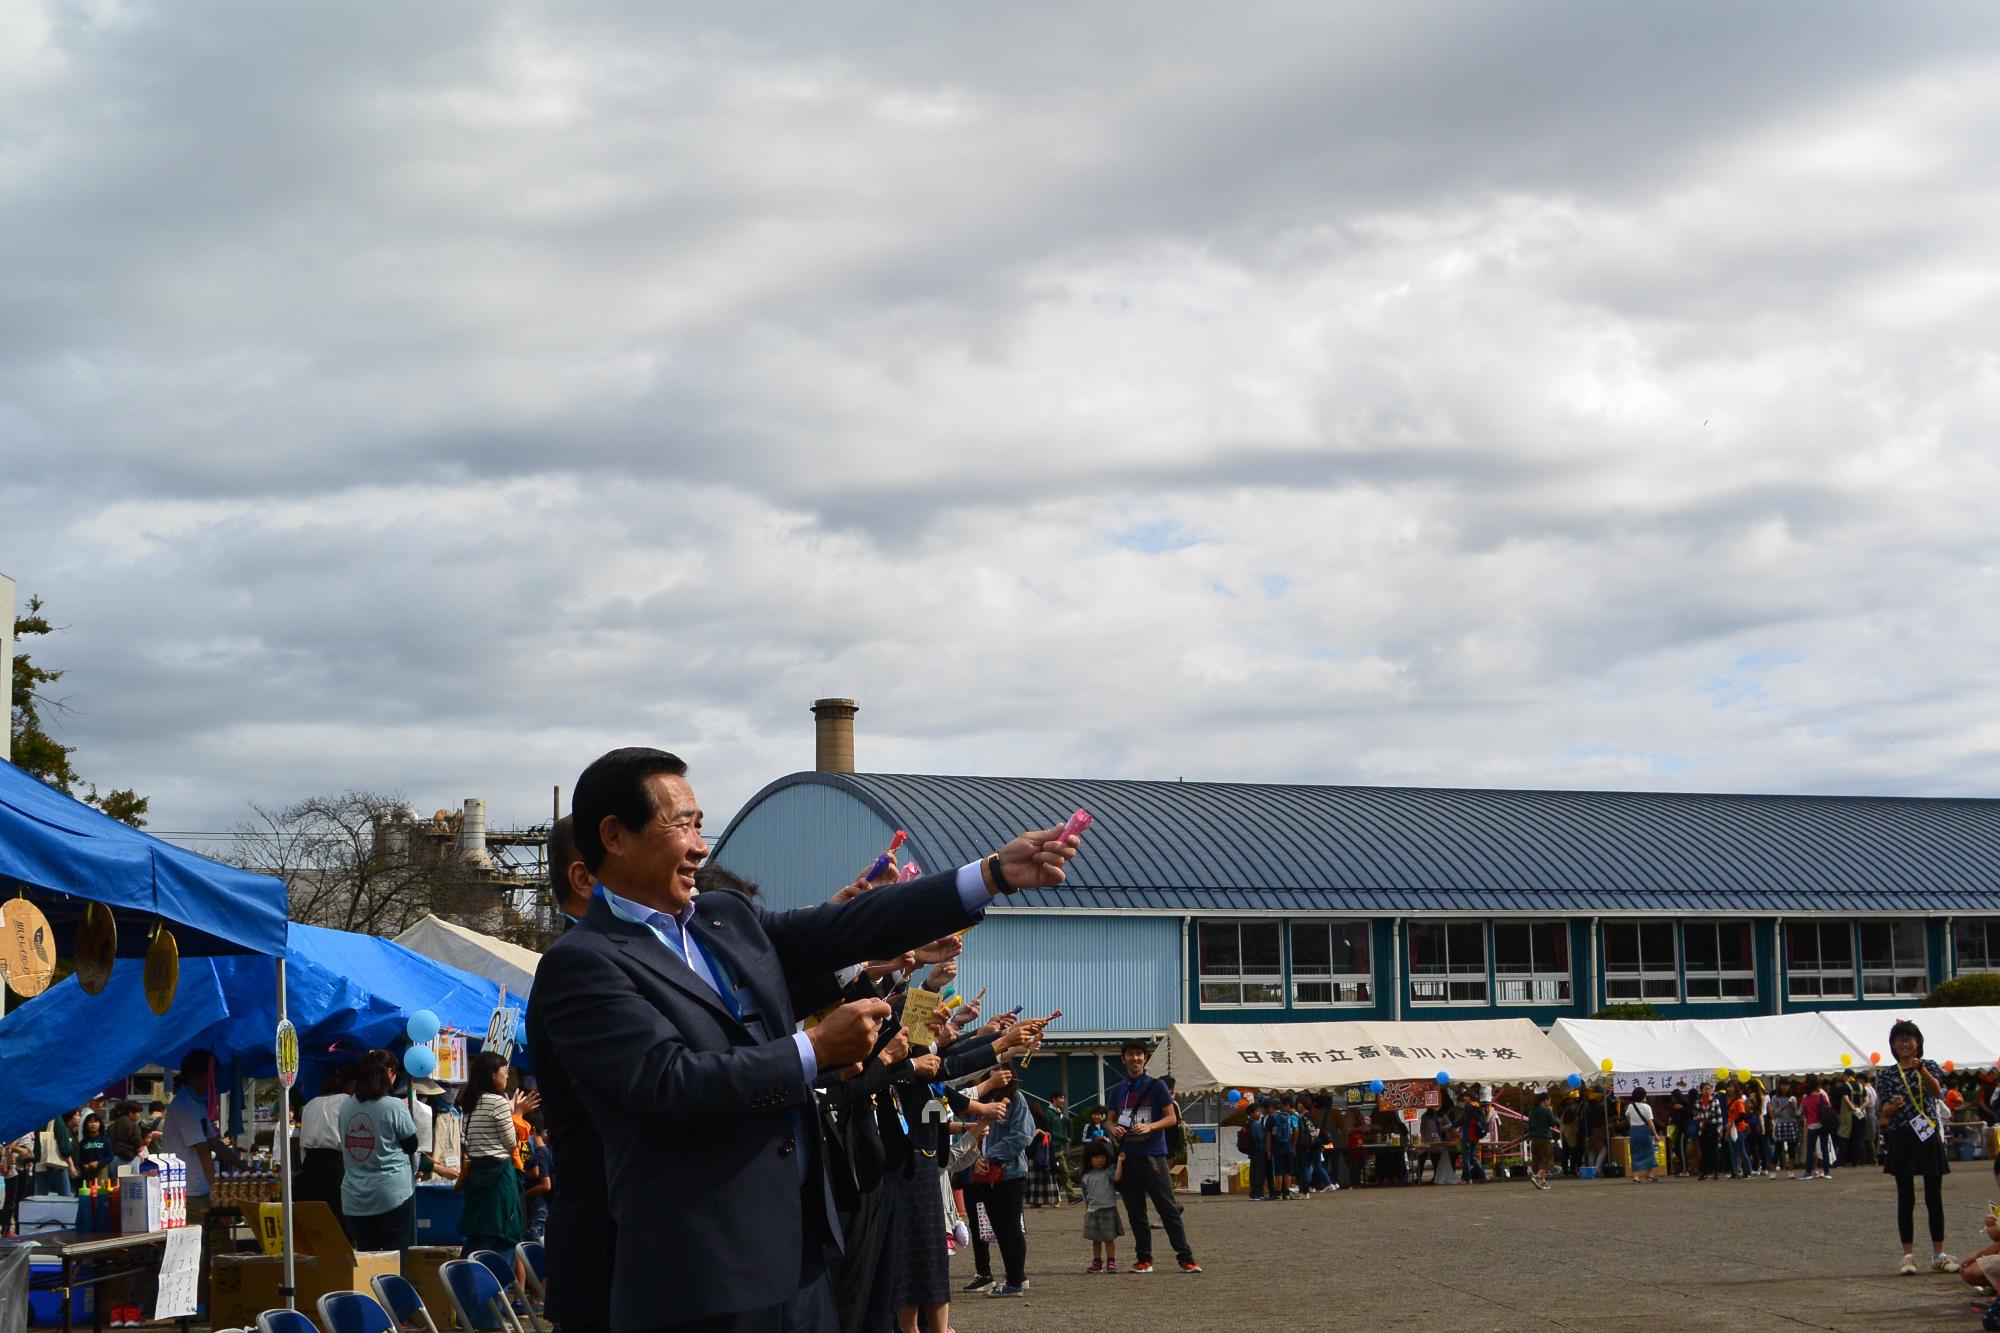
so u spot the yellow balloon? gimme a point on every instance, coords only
(1846, 1059)
(1721, 1074)
(1605, 1064)
(1742, 1076)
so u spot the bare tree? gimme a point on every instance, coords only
(343, 863)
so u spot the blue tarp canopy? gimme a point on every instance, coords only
(61, 854)
(358, 991)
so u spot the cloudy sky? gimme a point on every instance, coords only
(426, 398)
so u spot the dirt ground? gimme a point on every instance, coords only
(1594, 1255)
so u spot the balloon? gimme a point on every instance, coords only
(1234, 1096)
(1948, 1066)
(1576, 1080)
(423, 1026)
(1443, 1078)
(1375, 1086)
(1721, 1074)
(420, 1061)
(1742, 1076)
(1605, 1064)
(1874, 1057)
(1846, 1060)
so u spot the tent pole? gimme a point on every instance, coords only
(290, 1289)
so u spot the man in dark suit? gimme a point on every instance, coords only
(667, 1021)
(579, 1228)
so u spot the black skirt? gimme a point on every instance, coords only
(1910, 1156)
(920, 1269)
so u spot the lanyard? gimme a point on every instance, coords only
(1915, 1100)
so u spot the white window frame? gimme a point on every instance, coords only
(1337, 981)
(1720, 975)
(1819, 926)
(1451, 976)
(1895, 971)
(1537, 977)
(1649, 971)
(1989, 929)
(1240, 978)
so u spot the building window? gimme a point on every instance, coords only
(1894, 961)
(1639, 962)
(1976, 941)
(1819, 960)
(1531, 961)
(1242, 964)
(1447, 962)
(1331, 963)
(1721, 960)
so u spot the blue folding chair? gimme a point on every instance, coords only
(534, 1257)
(501, 1265)
(405, 1304)
(284, 1321)
(478, 1297)
(353, 1312)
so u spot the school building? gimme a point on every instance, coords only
(1195, 901)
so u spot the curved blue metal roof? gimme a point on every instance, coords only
(1180, 846)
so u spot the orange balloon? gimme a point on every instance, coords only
(1874, 1057)
(1949, 1066)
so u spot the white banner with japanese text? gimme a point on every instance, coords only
(1205, 1057)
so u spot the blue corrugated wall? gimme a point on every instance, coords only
(1107, 974)
(803, 843)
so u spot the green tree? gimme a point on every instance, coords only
(37, 752)
(1974, 988)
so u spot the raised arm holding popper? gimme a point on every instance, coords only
(1078, 822)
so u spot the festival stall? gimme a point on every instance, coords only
(499, 961)
(1209, 1057)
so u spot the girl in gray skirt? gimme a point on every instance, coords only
(1101, 1226)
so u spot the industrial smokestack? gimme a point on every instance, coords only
(472, 835)
(833, 734)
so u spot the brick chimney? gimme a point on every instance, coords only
(833, 735)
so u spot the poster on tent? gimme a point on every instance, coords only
(452, 1065)
(1658, 1081)
(1401, 1095)
(1205, 1056)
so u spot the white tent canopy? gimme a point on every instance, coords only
(1664, 1046)
(1969, 1037)
(1207, 1057)
(498, 961)
(1776, 1043)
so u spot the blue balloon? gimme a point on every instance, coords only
(1375, 1086)
(422, 1027)
(1576, 1080)
(1443, 1078)
(420, 1062)
(1235, 1096)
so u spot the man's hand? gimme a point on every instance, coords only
(986, 1111)
(882, 967)
(941, 975)
(940, 951)
(927, 1066)
(996, 1025)
(898, 1047)
(1035, 860)
(525, 1101)
(848, 1033)
(1118, 1131)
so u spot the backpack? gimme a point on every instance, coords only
(1243, 1139)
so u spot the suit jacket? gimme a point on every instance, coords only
(702, 1125)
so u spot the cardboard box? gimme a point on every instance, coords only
(242, 1286)
(421, 1264)
(141, 1203)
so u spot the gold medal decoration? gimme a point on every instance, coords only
(163, 970)
(96, 948)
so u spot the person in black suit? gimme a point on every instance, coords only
(667, 1021)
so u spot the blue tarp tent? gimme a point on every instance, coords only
(61, 854)
(358, 990)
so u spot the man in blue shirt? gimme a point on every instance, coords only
(1141, 1110)
(1254, 1131)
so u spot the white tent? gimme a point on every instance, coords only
(1638, 1047)
(1969, 1037)
(1207, 1057)
(498, 961)
(1783, 1044)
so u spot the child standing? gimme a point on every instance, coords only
(1101, 1226)
(1095, 1129)
(1281, 1130)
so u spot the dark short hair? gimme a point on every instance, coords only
(1138, 1044)
(196, 1063)
(126, 1107)
(378, 1076)
(1903, 1027)
(614, 786)
(712, 878)
(1097, 1148)
(562, 851)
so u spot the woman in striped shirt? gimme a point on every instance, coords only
(492, 1187)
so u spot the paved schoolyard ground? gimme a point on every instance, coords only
(1753, 1254)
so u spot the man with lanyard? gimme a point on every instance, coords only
(1141, 1109)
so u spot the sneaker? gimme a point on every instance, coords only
(961, 1233)
(1943, 1263)
(1096, 1266)
(1909, 1266)
(1009, 1289)
(1143, 1266)
(979, 1283)
(1190, 1266)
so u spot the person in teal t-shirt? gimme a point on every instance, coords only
(378, 1136)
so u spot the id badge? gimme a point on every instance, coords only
(1125, 1119)
(1924, 1129)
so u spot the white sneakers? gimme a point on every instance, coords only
(1909, 1266)
(1943, 1263)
